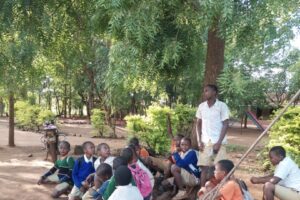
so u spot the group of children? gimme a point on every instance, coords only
(130, 175)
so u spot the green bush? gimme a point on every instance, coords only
(31, 117)
(286, 133)
(152, 129)
(98, 121)
(45, 115)
(186, 115)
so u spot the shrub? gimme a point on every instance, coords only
(31, 117)
(45, 115)
(153, 128)
(98, 121)
(286, 133)
(186, 115)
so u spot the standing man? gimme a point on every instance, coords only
(212, 124)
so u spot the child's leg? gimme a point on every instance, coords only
(52, 179)
(167, 170)
(176, 171)
(75, 193)
(60, 189)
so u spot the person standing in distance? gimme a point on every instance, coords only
(212, 124)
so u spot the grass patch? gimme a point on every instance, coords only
(234, 148)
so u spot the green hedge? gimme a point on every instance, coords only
(152, 129)
(286, 133)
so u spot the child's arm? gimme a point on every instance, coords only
(190, 158)
(50, 172)
(75, 171)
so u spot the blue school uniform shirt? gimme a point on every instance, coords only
(188, 161)
(82, 169)
(100, 192)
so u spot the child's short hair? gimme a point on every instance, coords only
(65, 144)
(226, 165)
(119, 161)
(134, 141)
(127, 154)
(278, 150)
(85, 144)
(187, 139)
(99, 147)
(178, 137)
(123, 176)
(104, 169)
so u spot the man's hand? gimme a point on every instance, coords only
(216, 147)
(201, 146)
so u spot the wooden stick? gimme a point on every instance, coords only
(215, 191)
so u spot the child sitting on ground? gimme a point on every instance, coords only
(84, 166)
(118, 161)
(231, 189)
(103, 152)
(125, 190)
(185, 171)
(104, 174)
(64, 165)
(141, 174)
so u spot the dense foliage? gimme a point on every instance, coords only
(152, 129)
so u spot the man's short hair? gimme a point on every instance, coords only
(226, 165)
(123, 176)
(104, 169)
(213, 87)
(278, 150)
(85, 144)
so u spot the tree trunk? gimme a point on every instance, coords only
(65, 101)
(215, 55)
(11, 135)
(70, 101)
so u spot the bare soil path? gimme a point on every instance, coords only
(21, 166)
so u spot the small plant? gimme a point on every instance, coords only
(98, 121)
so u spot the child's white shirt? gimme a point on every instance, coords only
(289, 173)
(127, 192)
(109, 160)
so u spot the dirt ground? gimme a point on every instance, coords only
(21, 166)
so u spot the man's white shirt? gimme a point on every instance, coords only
(212, 118)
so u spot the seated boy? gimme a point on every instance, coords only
(103, 153)
(64, 165)
(104, 173)
(118, 161)
(231, 189)
(84, 166)
(125, 190)
(158, 164)
(285, 182)
(185, 171)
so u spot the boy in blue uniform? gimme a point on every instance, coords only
(84, 166)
